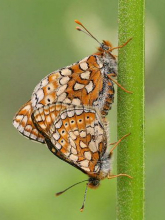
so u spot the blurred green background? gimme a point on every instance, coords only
(37, 37)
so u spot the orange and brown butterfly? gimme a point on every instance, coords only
(88, 82)
(77, 135)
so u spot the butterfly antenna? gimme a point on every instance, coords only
(82, 207)
(88, 33)
(59, 193)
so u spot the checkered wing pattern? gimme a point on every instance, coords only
(24, 124)
(77, 134)
(82, 83)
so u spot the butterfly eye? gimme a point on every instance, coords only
(63, 131)
(72, 122)
(48, 88)
(80, 120)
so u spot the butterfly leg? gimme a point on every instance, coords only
(117, 143)
(123, 45)
(121, 174)
(109, 76)
(110, 176)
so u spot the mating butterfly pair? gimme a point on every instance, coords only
(67, 112)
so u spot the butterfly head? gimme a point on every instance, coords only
(93, 183)
(106, 48)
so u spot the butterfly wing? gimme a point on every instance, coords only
(76, 132)
(82, 83)
(24, 124)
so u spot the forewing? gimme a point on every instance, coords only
(23, 123)
(78, 84)
(77, 133)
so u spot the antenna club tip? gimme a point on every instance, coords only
(82, 209)
(58, 194)
(78, 22)
(77, 28)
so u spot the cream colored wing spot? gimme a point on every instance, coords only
(19, 117)
(76, 101)
(62, 97)
(82, 144)
(89, 87)
(66, 72)
(64, 80)
(70, 113)
(92, 146)
(84, 163)
(78, 86)
(97, 168)
(63, 115)
(61, 90)
(40, 95)
(46, 110)
(56, 136)
(72, 143)
(26, 133)
(72, 135)
(76, 133)
(58, 146)
(73, 151)
(32, 136)
(27, 108)
(83, 133)
(16, 124)
(28, 128)
(44, 82)
(83, 66)
(90, 130)
(67, 101)
(58, 124)
(85, 75)
(79, 111)
(20, 128)
(73, 157)
(88, 155)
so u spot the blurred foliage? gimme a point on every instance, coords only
(38, 37)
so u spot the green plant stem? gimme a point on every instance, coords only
(130, 157)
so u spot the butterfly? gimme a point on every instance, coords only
(87, 82)
(77, 134)
(67, 112)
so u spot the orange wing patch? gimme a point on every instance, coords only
(23, 122)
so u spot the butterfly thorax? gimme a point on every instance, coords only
(107, 58)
